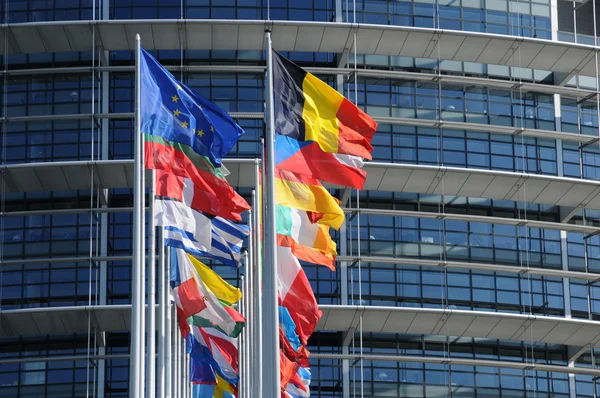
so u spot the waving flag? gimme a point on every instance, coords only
(178, 178)
(298, 387)
(296, 294)
(222, 389)
(177, 219)
(171, 110)
(218, 350)
(240, 322)
(309, 241)
(226, 242)
(289, 340)
(201, 372)
(307, 193)
(308, 109)
(307, 158)
(214, 312)
(226, 293)
(288, 369)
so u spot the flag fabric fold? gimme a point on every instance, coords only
(214, 312)
(201, 372)
(309, 241)
(289, 340)
(296, 294)
(178, 178)
(226, 293)
(225, 246)
(171, 110)
(177, 217)
(219, 350)
(307, 158)
(307, 193)
(298, 387)
(308, 109)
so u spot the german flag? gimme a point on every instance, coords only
(308, 109)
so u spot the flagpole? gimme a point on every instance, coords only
(171, 330)
(256, 205)
(270, 332)
(150, 380)
(142, 354)
(248, 336)
(175, 354)
(168, 322)
(242, 342)
(162, 301)
(136, 299)
(180, 392)
(250, 294)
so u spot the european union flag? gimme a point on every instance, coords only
(171, 110)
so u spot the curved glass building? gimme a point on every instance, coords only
(468, 267)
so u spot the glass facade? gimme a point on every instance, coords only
(72, 247)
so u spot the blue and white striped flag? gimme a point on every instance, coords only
(226, 241)
(180, 221)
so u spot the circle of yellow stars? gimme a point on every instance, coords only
(185, 124)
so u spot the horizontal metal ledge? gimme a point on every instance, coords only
(110, 116)
(522, 270)
(483, 183)
(66, 320)
(510, 85)
(590, 231)
(93, 357)
(460, 323)
(515, 269)
(47, 212)
(558, 226)
(462, 362)
(69, 259)
(388, 177)
(306, 36)
(401, 121)
(393, 320)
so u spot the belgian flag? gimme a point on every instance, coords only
(308, 109)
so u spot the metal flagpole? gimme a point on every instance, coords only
(162, 315)
(257, 300)
(250, 318)
(270, 319)
(168, 326)
(242, 342)
(175, 354)
(151, 369)
(181, 368)
(187, 369)
(142, 352)
(248, 336)
(136, 266)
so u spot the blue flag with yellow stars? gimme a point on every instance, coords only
(172, 111)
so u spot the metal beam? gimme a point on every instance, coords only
(576, 352)
(419, 262)
(482, 219)
(463, 362)
(7, 361)
(523, 87)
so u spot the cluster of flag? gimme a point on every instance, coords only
(185, 138)
(320, 136)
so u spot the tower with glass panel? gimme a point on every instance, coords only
(469, 265)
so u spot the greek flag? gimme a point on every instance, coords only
(226, 241)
